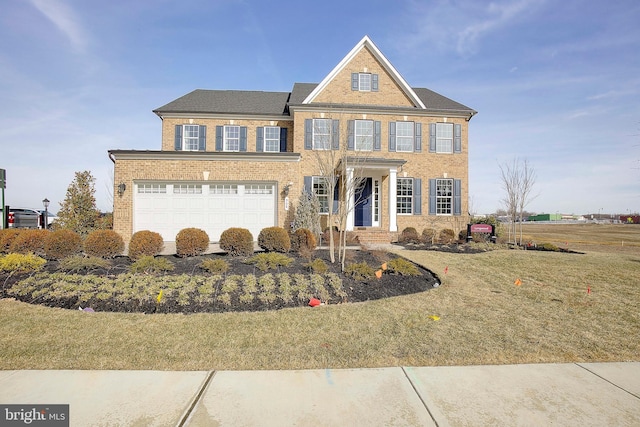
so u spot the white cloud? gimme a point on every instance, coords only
(66, 20)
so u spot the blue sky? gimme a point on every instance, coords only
(557, 83)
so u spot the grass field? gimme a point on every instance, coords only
(568, 308)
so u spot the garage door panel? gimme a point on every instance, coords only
(168, 213)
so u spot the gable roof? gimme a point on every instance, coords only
(228, 102)
(366, 43)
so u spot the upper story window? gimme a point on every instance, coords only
(444, 196)
(404, 136)
(232, 138)
(444, 137)
(364, 135)
(364, 82)
(190, 137)
(272, 139)
(321, 134)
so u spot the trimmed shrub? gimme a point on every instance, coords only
(269, 260)
(446, 236)
(7, 236)
(303, 240)
(62, 243)
(77, 263)
(214, 265)
(149, 264)
(145, 243)
(409, 235)
(360, 271)
(274, 239)
(104, 244)
(429, 235)
(191, 242)
(29, 241)
(403, 267)
(21, 262)
(237, 241)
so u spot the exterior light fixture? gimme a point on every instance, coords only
(121, 187)
(45, 220)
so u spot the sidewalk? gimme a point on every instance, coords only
(582, 394)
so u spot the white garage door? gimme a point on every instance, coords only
(167, 208)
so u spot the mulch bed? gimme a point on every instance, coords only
(389, 285)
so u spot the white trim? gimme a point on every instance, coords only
(395, 75)
(393, 175)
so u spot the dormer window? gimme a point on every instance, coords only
(364, 82)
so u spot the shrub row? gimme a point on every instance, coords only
(429, 235)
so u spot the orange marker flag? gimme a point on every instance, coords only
(518, 282)
(378, 273)
(446, 269)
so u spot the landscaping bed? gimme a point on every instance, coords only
(188, 288)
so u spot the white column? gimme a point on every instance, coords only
(393, 191)
(350, 199)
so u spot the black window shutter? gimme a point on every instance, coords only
(374, 82)
(259, 139)
(432, 137)
(355, 81)
(418, 138)
(351, 124)
(432, 197)
(392, 136)
(457, 197)
(178, 138)
(376, 135)
(202, 138)
(308, 183)
(335, 134)
(308, 134)
(417, 196)
(457, 138)
(243, 138)
(219, 132)
(283, 140)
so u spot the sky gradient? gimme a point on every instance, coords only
(557, 83)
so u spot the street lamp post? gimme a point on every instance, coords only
(45, 202)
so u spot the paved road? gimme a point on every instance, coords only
(582, 394)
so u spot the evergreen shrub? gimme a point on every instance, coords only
(145, 243)
(237, 241)
(29, 241)
(104, 244)
(62, 243)
(274, 239)
(191, 242)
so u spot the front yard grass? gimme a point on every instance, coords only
(483, 318)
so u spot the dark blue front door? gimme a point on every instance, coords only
(363, 202)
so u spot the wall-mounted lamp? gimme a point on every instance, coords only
(286, 188)
(121, 188)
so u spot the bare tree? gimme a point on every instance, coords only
(518, 179)
(340, 162)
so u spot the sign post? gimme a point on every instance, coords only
(3, 185)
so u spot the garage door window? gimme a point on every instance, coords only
(258, 189)
(152, 188)
(223, 189)
(187, 189)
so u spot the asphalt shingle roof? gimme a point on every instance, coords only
(276, 103)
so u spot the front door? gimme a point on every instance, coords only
(363, 204)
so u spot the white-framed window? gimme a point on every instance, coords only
(152, 188)
(258, 189)
(223, 189)
(231, 138)
(405, 136)
(321, 134)
(404, 196)
(364, 82)
(364, 135)
(190, 135)
(444, 196)
(272, 139)
(444, 137)
(187, 189)
(321, 190)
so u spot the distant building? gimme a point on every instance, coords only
(546, 217)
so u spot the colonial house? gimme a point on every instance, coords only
(233, 158)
